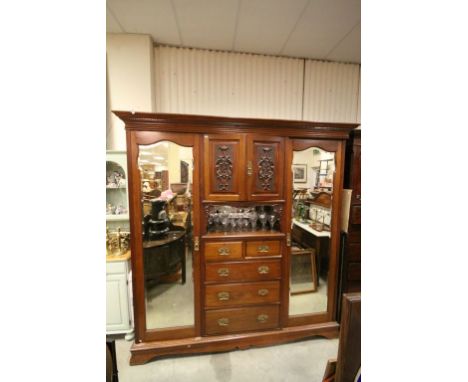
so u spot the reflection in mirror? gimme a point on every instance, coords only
(166, 182)
(313, 170)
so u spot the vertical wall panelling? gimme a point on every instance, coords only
(331, 92)
(194, 81)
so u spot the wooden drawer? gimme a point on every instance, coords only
(263, 248)
(223, 250)
(243, 271)
(220, 295)
(354, 271)
(354, 237)
(355, 215)
(223, 321)
(353, 252)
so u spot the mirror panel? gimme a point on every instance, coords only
(166, 171)
(313, 173)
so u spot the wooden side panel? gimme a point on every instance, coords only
(265, 167)
(224, 167)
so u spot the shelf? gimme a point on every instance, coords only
(116, 217)
(243, 234)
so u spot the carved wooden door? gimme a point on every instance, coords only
(265, 159)
(224, 167)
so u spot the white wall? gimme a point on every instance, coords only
(195, 81)
(130, 75)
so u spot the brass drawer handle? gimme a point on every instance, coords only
(223, 322)
(262, 318)
(288, 239)
(223, 296)
(263, 248)
(262, 292)
(224, 251)
(263, 269)
(223, 272)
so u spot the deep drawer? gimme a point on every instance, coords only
(223, 250)
(263, 248)
(220, 295)
(243, 271)
(223, 321)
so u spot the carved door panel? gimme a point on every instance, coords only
(265, 176)
(224, 167)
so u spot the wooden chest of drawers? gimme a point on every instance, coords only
(242, 285)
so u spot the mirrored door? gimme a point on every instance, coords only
(167, 225)
(312, 258)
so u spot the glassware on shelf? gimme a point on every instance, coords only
(262, 216)
(272, 220)
(253, 219)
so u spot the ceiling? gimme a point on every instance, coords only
(317, 29)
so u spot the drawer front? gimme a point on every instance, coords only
(223, 321)
(263, 248)
(244, 271)
(220, 295)
(355, 215)
(354, 237)
(223, 250)
(354, 252)
(354, 271)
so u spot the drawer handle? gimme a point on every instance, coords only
(223, 322)
(223, 272)
(262, 318)
(262, 292)
(224, 251)
(263, 248)
(263, 269)
(223, 296)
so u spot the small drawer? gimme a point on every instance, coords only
(220, 295)
(354, 252)
(223, 250)
(243, 271)
(355, 215)
(263, 248)
(113, 267)
(223, 321)
(354, 271)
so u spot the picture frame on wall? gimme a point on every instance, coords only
(299, 173)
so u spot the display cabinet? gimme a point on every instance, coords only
(232, 287)
(118, 267)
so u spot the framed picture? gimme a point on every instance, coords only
(300, 173)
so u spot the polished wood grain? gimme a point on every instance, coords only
(266, 157)
(223, 250)
(243, 271)
(221, 295)
(349, 349)
(144, 352)
(249, 136)
(222, 321)
(259, 248)
(224, 167)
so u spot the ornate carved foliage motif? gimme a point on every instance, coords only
(266, 167)
(223, 167)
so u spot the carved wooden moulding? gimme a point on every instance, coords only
(266, 167)
(224, 167)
